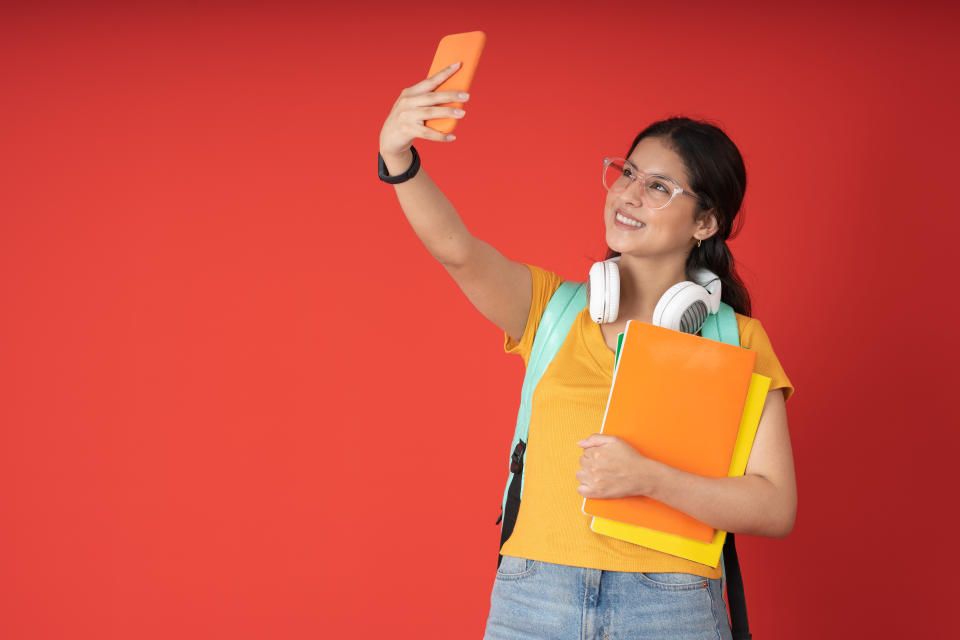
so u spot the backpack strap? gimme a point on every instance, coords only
(722, 326)
(562, 309)
(739, 625)
(566, 302)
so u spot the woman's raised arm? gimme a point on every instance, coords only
(499, 288)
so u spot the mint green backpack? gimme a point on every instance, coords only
(564, 306)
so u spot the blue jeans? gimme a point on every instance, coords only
(534, 599)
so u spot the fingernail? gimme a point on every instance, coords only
(451, 137)
(463, 96)
(459, 112)
(454, 65)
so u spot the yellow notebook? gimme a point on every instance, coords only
(707, 553)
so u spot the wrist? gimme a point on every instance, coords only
(652, 477)
(397, 163)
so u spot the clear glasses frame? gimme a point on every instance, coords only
(611, 164)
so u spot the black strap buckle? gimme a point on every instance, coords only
(516, 460)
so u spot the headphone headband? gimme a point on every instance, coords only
(706, 279)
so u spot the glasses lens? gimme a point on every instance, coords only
(657, 192)
(613, 178)
(618, 175)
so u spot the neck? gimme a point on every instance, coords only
(643, 280)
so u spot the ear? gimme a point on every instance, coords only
(707, 225)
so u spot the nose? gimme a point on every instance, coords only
(635, 187)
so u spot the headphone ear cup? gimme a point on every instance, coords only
(683, 307)
(603, 291)
(612, 292)
(596, 292)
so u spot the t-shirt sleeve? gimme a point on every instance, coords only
(755, 337)
(545, 283)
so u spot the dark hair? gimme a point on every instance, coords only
(717, 174)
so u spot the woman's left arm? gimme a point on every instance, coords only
(763, 502)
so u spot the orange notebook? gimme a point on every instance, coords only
(677, 398)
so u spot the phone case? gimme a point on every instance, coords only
(463, 47)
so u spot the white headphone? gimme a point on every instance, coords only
(683, 307)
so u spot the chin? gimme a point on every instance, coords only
(616, 241)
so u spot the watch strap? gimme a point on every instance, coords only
(402, 177)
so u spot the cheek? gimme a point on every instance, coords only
(675, 225)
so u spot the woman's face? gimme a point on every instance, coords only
(665, 231)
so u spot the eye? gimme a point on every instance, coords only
(627, 172)
(659, 186)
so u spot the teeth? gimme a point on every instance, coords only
(632, 223)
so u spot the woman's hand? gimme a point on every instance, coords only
(611, 468)
(413, 107)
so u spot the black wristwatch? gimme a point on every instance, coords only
(403, 177)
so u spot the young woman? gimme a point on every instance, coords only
(670, 206)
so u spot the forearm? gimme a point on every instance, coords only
(432, 216)
(748, 504)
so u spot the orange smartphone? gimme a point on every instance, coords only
(457, 47)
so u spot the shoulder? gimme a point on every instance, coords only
(544, 284)
(744, 322)
(751, 330)
(544, 280)
(753, 336)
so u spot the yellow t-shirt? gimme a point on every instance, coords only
(568, 406)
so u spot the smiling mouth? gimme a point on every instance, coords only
(627, 220)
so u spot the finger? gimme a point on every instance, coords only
(435, 80)
(594, 440)
(427, 133)
(436, 97)
(428, 113)
(444, 73)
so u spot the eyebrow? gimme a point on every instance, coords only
(657, 175)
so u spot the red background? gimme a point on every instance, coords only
(241, 400)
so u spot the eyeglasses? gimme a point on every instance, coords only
(658, 191)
